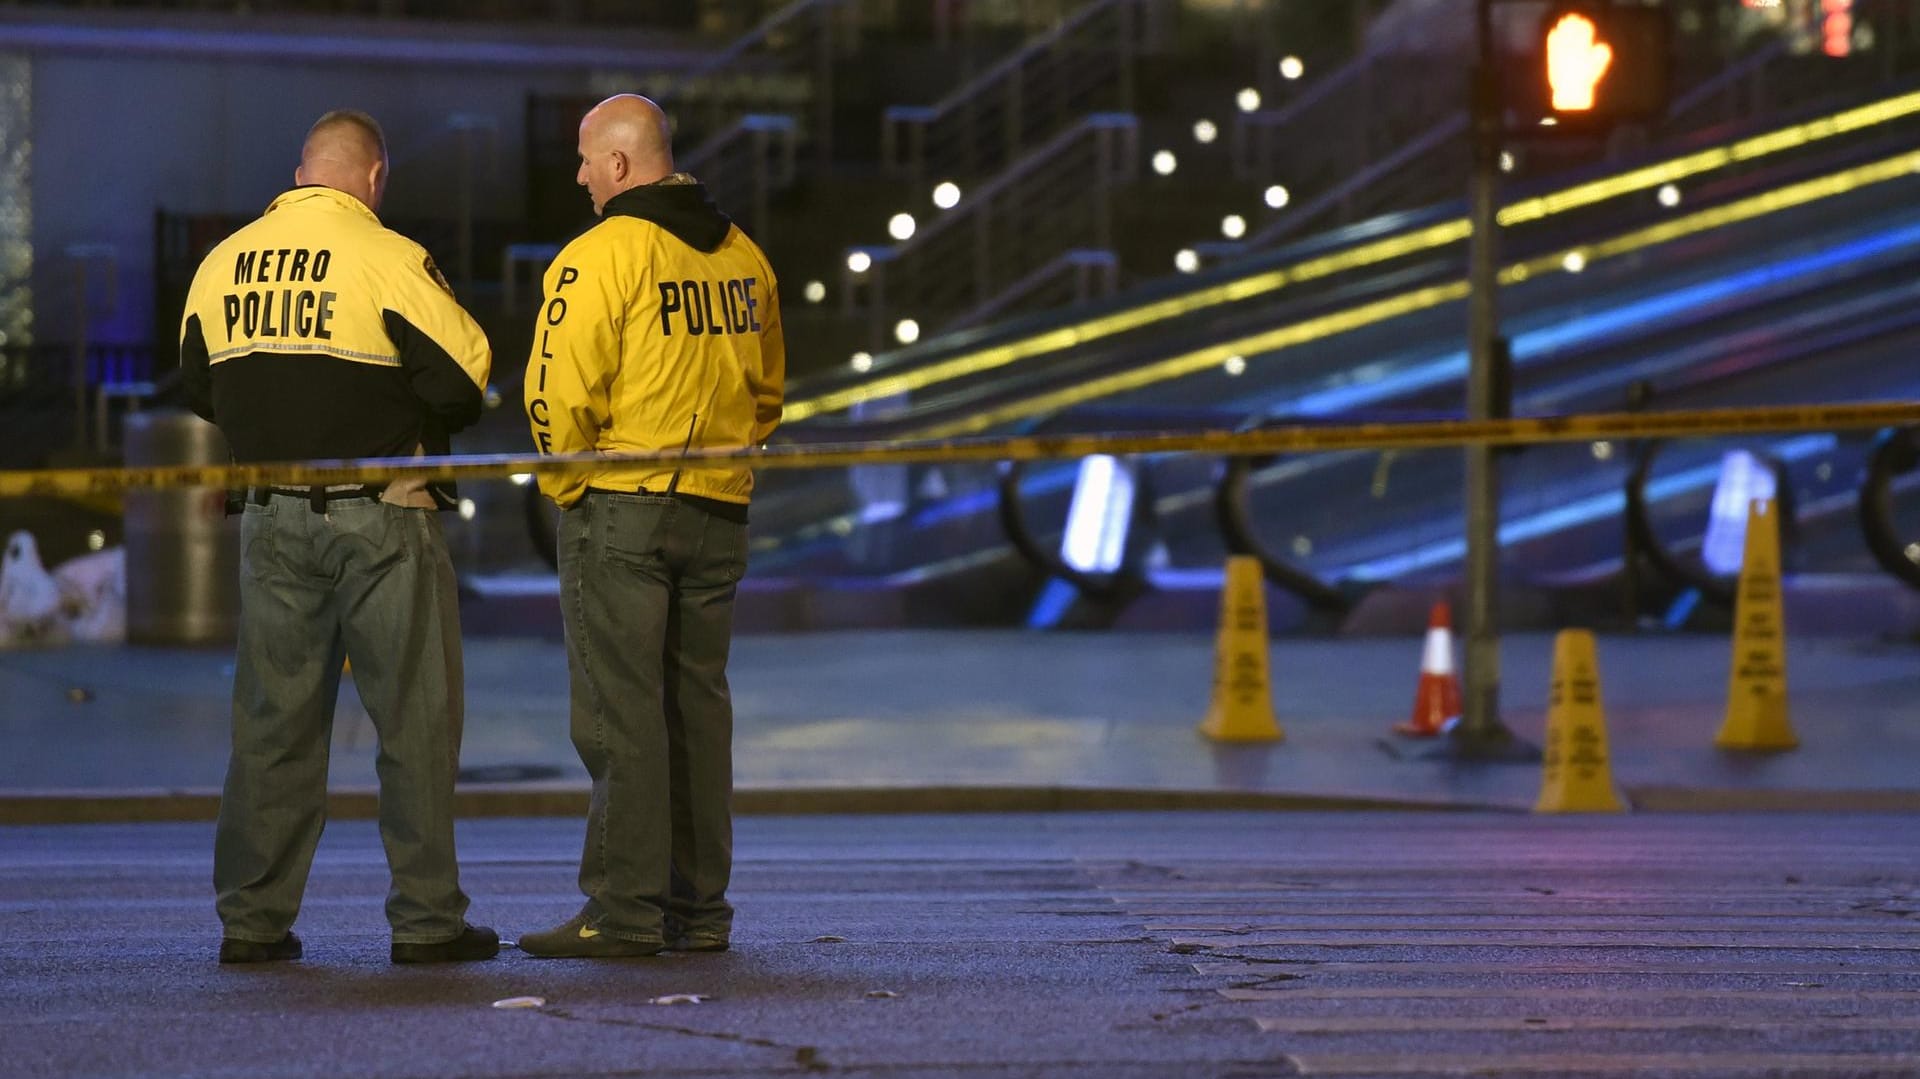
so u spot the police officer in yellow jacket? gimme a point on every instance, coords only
(660, 331)
(314, 332)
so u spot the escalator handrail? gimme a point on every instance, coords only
(1896, 452)
(1234, 518)
(1125, 581)
(1642, 538)
(1019, 532)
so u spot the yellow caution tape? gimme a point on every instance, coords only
(1301, 438)
(1432, 237)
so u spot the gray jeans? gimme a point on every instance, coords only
(646, 590)
(371, 582)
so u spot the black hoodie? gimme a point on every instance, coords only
(681, 207)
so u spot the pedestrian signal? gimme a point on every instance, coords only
(1576, 62)
(1604, 63)
(1836, 27)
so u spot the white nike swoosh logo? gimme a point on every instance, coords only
(588, 932)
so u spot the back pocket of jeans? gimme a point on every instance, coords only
(636, 528)
(369, 536)
(258, 555)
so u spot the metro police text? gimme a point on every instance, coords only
(280, 312)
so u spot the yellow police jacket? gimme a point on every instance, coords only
(315, 332)
(659, 332)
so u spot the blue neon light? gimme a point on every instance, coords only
(1579, 512)
(1534, 345)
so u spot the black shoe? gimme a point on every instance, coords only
(575, 939)
(689, 937)
(699, 941)
(475, 942)
(249, 951)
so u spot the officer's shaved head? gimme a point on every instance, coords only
(346, 150)
(625, 141)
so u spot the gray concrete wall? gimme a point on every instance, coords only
(130, 120)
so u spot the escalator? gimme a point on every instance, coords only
(1695, 342)
(959, 377)
(1662, 310)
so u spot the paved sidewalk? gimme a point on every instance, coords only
(1000, 720)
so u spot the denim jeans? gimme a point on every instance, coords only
(646, 591)
(370, 582)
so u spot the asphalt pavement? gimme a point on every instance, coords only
(1242, 945)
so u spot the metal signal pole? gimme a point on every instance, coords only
(1480, 734)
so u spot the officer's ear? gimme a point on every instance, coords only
(377, 183)
(619, 165)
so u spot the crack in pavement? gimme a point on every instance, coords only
(1161, 1017)
(806, 1056)
(1081, 943)
(1273, 979)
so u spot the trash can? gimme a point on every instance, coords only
(183, 551)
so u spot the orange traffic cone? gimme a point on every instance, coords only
(1437, 702)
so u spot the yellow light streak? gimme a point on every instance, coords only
(1370, 254)
(1406, 303)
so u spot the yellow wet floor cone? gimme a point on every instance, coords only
(1578, 777)
(1242, 708)
(1757, 687)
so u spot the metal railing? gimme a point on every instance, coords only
(961, 19)
(791, 52)
(745, 164)
(1344, 116)
(1056, 197)
(62, 396)
(1083, 64)
(1075, 277)
(947, 20)
(1427, 167)
(673, 14)
(1414, 163)
(1776, 76)
(783, 65)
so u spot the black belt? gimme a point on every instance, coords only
(317, 497)
(726, 511)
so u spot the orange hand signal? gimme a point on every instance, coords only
(1576, 62)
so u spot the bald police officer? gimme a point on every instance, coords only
(660, 332)
(314, 332)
